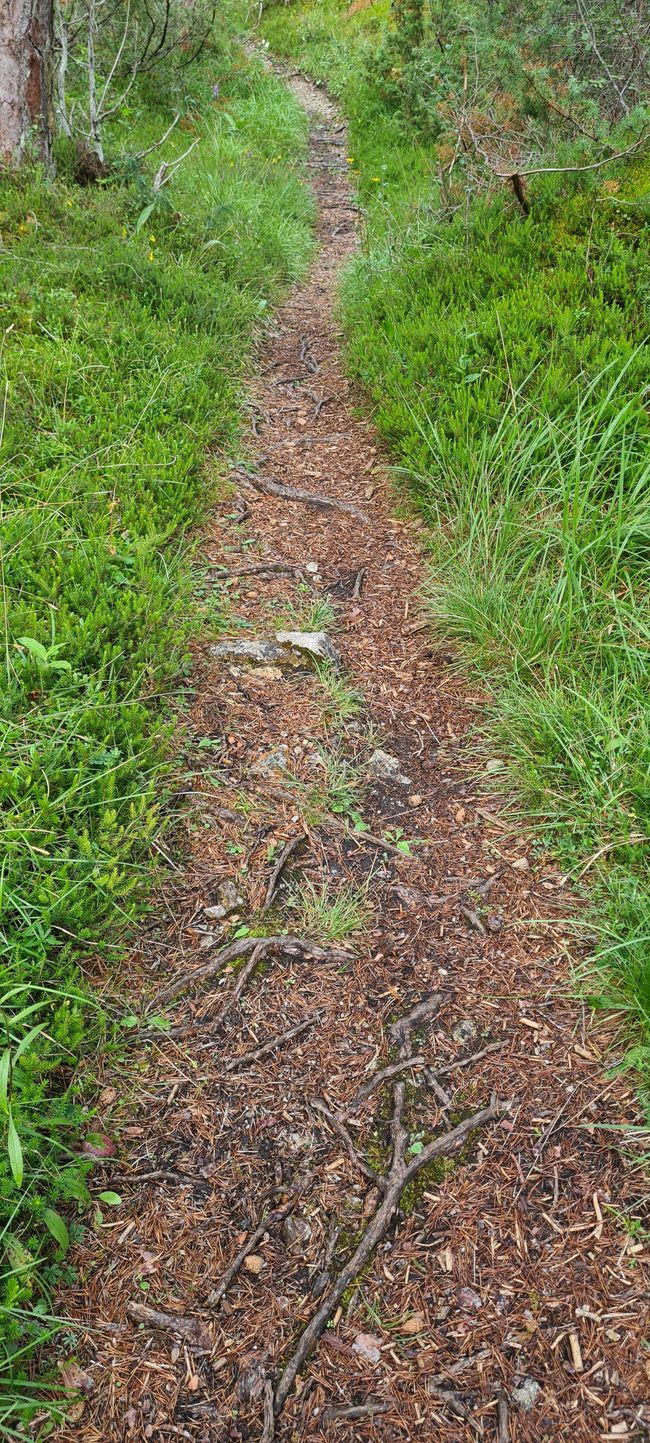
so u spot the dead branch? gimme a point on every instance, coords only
(363, 1410)
(292, 946)
(361, 576)
(236, 1063)
(191, 1330)
(167, 170)
(308, 498)
(285, 854)
(140, 154)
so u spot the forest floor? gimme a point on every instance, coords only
(504, 1298)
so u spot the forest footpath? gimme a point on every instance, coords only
(365, 1184)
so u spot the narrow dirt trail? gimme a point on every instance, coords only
(504, 1300)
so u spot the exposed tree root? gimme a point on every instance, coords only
(308, 498)
(400, 1174)
(267, 1225)
(292, 946)
(285, 854)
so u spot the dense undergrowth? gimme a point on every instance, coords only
(128, 321)
(504, 346)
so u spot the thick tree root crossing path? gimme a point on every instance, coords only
(371, 1178)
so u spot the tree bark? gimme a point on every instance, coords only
(25, 78)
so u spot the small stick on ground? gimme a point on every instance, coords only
(237, 1063)
(191, 1330)
(293, 946)
(271, 1221)
(363, 1410)
(361, 576)
(308, 498)
(285, 854)
(360, 837)
(503, 1431)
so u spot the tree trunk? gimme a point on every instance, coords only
(25, 49)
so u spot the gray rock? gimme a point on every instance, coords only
(255, 652)
(296, 1232)
(464, 1030)
(314, 643)
(273, 764)
(387, 769)
(525, 1392)
(229, 901)
(288, 648)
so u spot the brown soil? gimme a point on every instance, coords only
(508, 1261)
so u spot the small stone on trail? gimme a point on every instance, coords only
(315, 643)
(312, 567)
(296, 1232)
(387, 769)
(464, 1030)
(272, 764)
(413, 1325)
(240, 650)
(288, 649)
(368, 1347)
(525, 1392)
(469, 1301)
(229, 900)
(254, 1263)
(521, 865)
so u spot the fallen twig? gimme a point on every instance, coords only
(503, 1431)
(191, 1330)
(236, 1063)
(271, 1221)
(363, 1410)
(361, 576)
(285, 854)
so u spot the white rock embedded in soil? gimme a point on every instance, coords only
(387, 769)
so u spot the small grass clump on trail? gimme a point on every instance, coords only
(503, 343)
(129, 318)
(327, 913)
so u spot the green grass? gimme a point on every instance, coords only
(128, 323)
(506, 361)
(329, 914)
